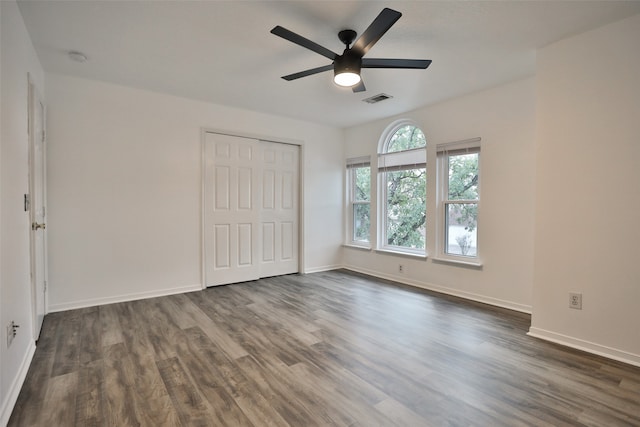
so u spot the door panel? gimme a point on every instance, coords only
(268, 241)
(245, 188)
(231, 220)
(222, 248)
(279, 214)
(222, 183)
(245, 245)
(268, 187)
(287, 241)
(287, 190)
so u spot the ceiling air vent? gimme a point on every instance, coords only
(377, 98)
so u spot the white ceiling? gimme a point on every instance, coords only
(222, 51)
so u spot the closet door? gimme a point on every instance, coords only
(232, 209)
(251, 191)
(279, 209)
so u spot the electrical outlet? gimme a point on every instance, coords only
(575, 300)
(400, 268)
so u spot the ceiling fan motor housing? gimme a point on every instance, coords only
(349, 62)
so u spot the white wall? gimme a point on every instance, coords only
(588, 190)
(504, 117)
(125, 187)
(17, 59)
(3, 405)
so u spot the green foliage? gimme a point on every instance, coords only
(406, 208)
(361, 221)
(463, 185)
(362, 184)
(406, 138)
(463, 177)
(362, 212)
(406, 194)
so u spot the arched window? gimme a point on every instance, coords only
(402, 169)
(406, 137)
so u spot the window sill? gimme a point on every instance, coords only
(359, 247)
(476, 264)
(402, 254)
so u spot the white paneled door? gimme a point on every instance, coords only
(279, 209)
(251, 209)
(35, 203)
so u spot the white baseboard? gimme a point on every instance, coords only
(589, 347)
(444, 290)
(323, 268)
(13, 392)
(122, 298)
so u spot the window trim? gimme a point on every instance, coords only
(443, 152)
(391, 162)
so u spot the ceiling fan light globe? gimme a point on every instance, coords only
(346, 79)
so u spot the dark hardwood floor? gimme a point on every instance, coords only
(332, 348)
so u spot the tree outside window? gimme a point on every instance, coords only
(462, 206)
(402, 165)
(359, 193)
(361, 204)
(459, 197)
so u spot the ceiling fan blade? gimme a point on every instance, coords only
(301, 41)
(378, 27)
(308, 72)
(359, 87)
(395, 63)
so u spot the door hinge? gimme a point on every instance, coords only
(45, 286)
(27, 203)
(43, 135)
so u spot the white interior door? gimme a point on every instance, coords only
(232, 214)
(37, 208)
(250, 209)
(279, 209)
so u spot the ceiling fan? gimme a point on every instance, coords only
(346, 67)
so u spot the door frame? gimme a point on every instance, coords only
(35, 96)
(301, 154)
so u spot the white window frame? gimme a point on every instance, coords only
(390, 162)
(444, 151)
(352, 165)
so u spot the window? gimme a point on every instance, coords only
(400, 197)
(403, 189)
(359, 193)
(458, 201)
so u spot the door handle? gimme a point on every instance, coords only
(36, 226)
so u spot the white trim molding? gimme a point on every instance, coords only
(123, 298)
(322, 268)
(14, 390)
(447, 291)
(589, 347)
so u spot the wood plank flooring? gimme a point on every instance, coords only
(324, 349)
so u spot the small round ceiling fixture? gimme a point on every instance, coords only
(76, 56)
